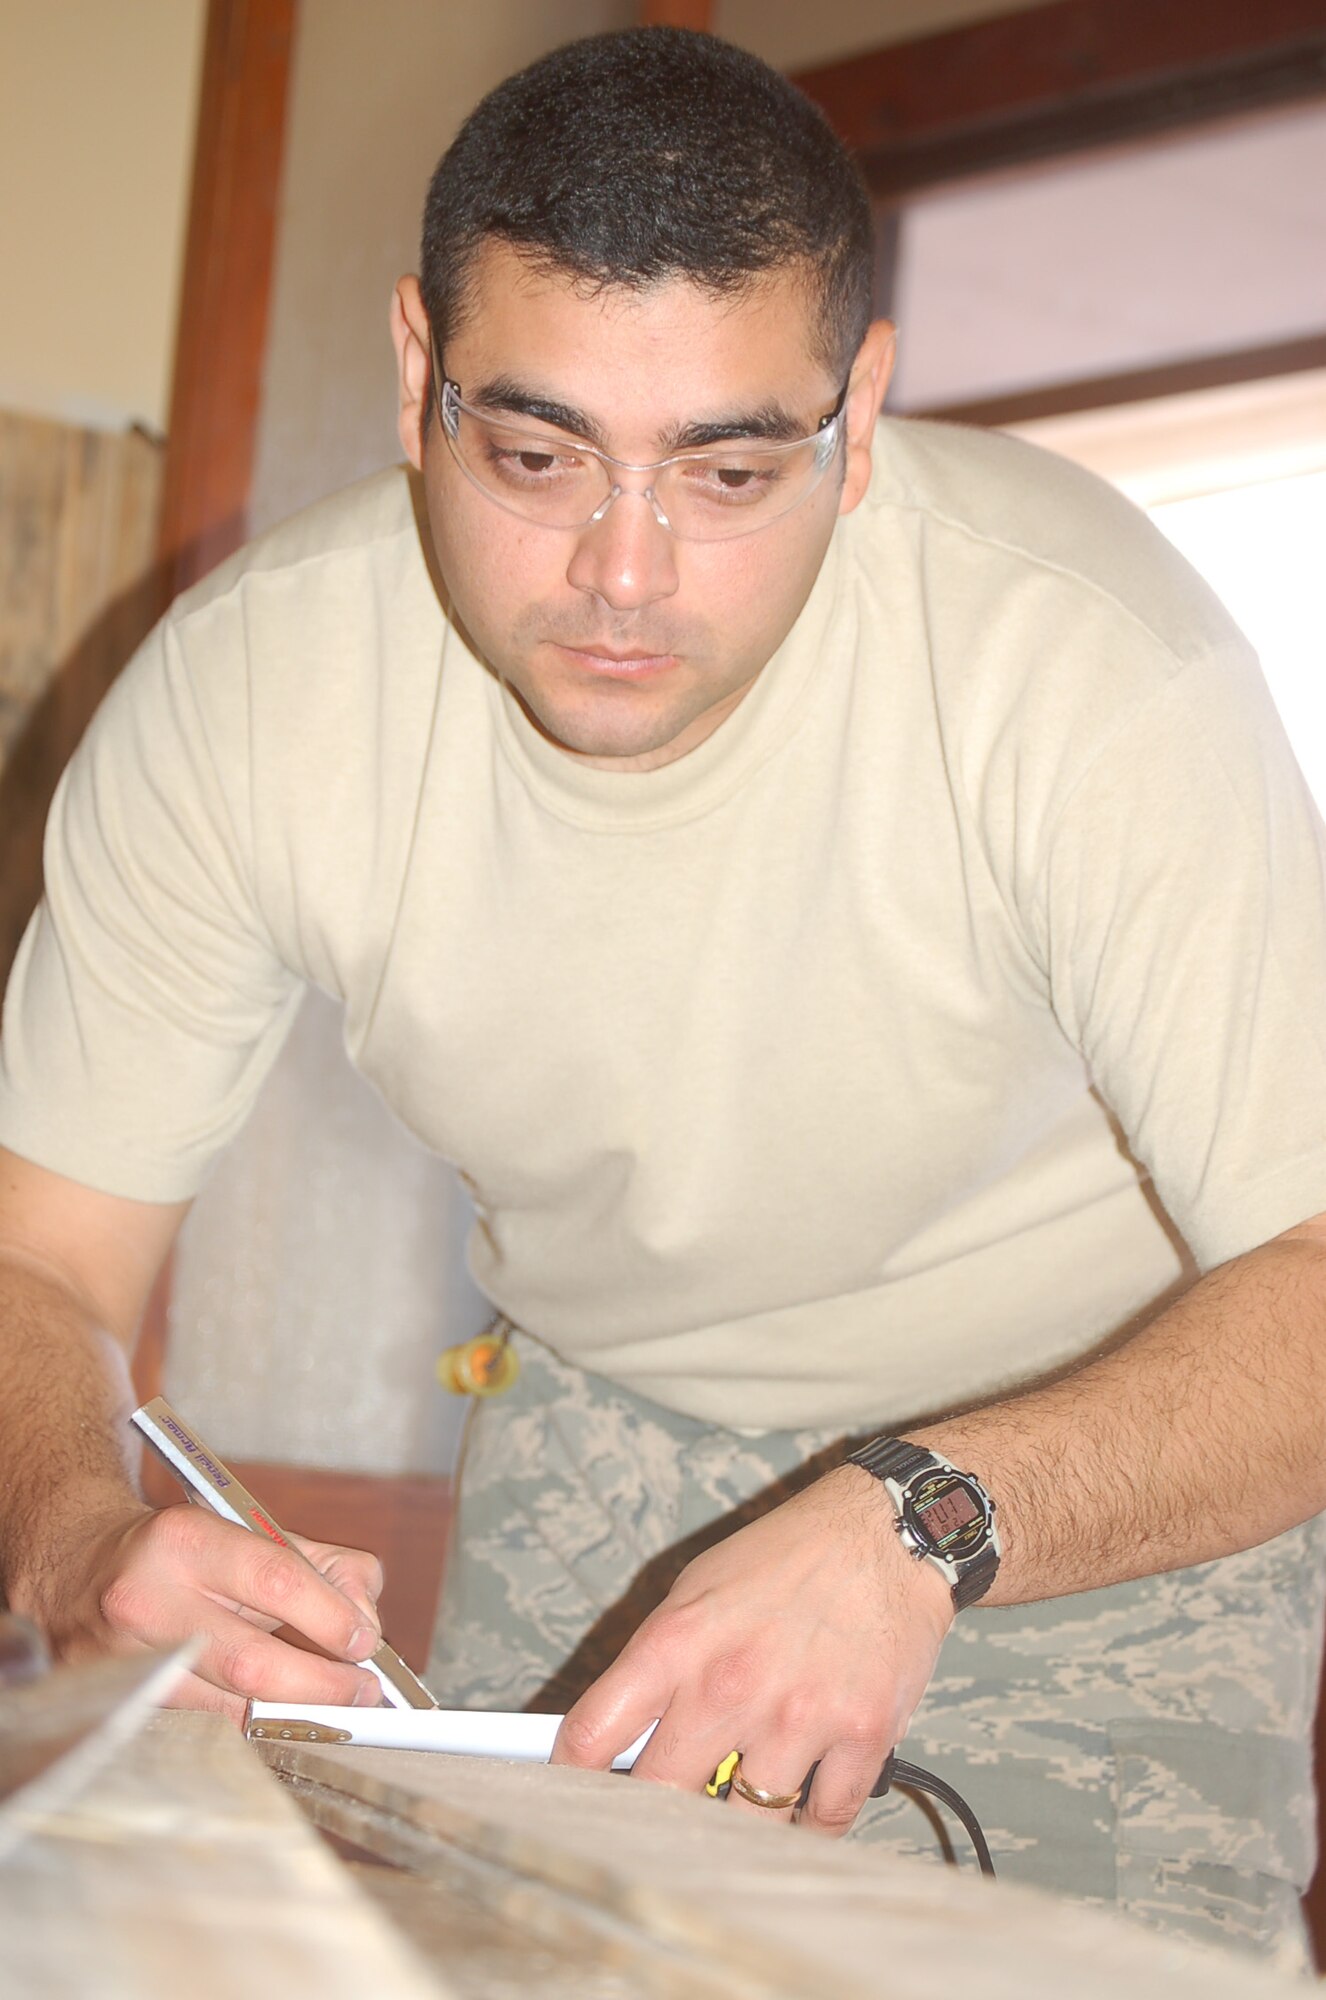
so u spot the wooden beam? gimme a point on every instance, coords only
(698, 14)
(227, 283)
(78, 590)
(1057, 78)
(1140, 385)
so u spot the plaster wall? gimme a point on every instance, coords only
(98, 106)
(377, 95)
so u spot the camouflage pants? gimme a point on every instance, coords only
(1146, 1745)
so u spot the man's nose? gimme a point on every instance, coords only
(627, 557)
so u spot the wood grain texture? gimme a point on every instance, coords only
(489, 1956)
(183, 1870)
(57, 1729)
(756, 1909)
(78, 590)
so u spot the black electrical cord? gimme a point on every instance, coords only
(896, 1772)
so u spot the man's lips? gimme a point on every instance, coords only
(620, 664)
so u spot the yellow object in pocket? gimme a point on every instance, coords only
(484, 1366)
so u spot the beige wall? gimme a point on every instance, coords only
(378, 93)
(98, 100)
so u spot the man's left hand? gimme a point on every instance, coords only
(807, 1637)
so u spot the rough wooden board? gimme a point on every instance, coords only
(490, 1957)
(183, 1870)
(79, 587)
(495, 1928)
(60, 1729)
(773, 1910)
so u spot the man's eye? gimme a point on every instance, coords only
(731, 479)
(527, 464)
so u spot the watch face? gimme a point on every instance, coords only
(947, 1513)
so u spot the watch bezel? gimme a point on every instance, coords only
(963, 1544)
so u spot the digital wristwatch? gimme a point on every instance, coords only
(945, 1517)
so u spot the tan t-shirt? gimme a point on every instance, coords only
(768, 1071)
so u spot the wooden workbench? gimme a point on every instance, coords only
(188, 1869)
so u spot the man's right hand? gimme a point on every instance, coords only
(144, 1578)
(80, 1554)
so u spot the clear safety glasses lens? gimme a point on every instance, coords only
(701, 496)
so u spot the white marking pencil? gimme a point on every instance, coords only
(202, 1472)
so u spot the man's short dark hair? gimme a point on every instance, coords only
(629, 159)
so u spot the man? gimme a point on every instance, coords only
(768, 855)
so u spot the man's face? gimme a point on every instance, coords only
(626, 645)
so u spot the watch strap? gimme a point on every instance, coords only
(894, 1458)
(975, 1577)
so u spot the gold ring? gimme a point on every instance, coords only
(757, 1796)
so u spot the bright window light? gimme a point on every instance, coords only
(1262, 549)
(1236, 478)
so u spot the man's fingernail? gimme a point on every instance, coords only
(363, 1641)
(368, 1694)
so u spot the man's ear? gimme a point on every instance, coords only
(409, 333)
(865, 397)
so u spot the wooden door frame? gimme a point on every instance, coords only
(228, 262)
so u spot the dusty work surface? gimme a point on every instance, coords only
(183, 1870)
(631, 1889)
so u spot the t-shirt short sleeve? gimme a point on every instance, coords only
(147, 1002)
(1184, 928)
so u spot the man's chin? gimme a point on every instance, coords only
(613, 730)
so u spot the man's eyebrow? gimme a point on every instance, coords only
(504, 393)
(768, 421)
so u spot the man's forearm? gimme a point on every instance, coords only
(65, 1447)
(1201, 1435)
